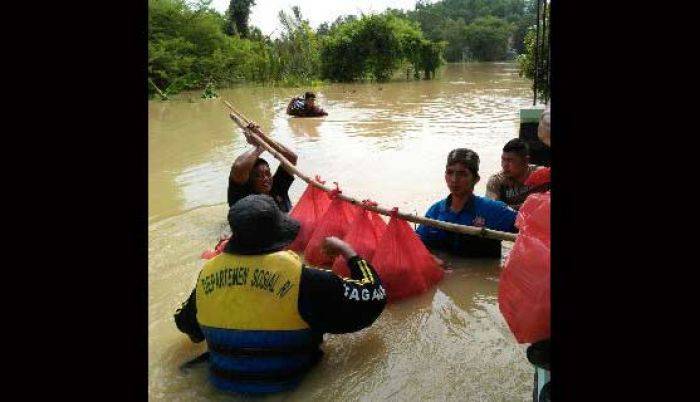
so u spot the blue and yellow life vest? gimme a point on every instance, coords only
(247, 309)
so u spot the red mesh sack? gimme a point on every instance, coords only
(311, 206)
(539, 177)
(533, 217)
(334, 222)
(362, 237)
(379, 224)
(405, 267)
(524, 288)
(218, 249)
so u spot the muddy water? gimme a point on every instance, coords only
(387, 142)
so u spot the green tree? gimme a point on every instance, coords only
(487, 38)
(298, 49)
(447, 20)
(526, 62)
(375, 46)
(237, 17)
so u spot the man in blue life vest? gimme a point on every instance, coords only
(465, 208)
(263, 313)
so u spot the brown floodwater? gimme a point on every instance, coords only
(387, 142)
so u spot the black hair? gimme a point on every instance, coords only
(517, 146)
(309, 95)
(465, 156)
(258, 162)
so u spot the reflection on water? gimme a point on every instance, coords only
(387, 142)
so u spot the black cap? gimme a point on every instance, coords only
(309, 95)
(259, 226)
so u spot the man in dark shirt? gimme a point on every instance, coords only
(305, 107)
(251, 174)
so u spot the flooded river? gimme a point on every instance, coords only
(387, 142)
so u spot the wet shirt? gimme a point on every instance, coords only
(327, 302)
(281, 182)
(479, 211)
(508, 190)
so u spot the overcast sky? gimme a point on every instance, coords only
(264, 13)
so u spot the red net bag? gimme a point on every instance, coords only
(524, 289)
(362, 237)
(378, 223)
(218, 249)
(404, 265)
(539, 178)
(311, 206)
(334, 222)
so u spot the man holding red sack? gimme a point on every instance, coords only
(263, 313)
(465, 208)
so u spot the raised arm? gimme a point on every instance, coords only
(290, 155)
(240, 170)
(286, 152)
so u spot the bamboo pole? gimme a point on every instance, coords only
(162, 95)
(243, 123)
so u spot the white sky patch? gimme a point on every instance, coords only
(264, 12)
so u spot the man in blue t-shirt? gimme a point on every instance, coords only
(465, 208)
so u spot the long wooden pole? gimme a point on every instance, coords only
(243, 123)
(162, 95)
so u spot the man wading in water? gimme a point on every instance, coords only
(305, 107)
(250, 174)
(509, 184)
(263, 313)
(465, 208)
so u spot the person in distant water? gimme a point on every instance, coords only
(263, 313)
(509, 185)
(465, 208)
(250, 174)
(305, 107)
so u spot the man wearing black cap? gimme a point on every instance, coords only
(263, 313)
(305, 107)
(465, 208)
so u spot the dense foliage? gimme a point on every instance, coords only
(375, 47)
(237, 17)
(476, 29)
(191, 45)
(526, 61)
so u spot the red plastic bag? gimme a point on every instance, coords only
(539, 177)
(218, 249)
(524, 287)
(311, 206)
(379, 224)
(362, 237)
(334, 222)
(404, 265)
